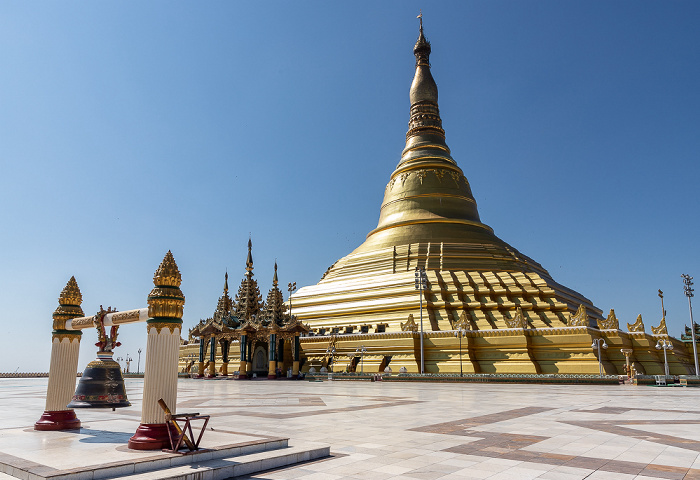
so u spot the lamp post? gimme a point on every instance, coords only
(666, 345)
(459, 334)
(688, 288)
(421, 284)
(598, 343)
(128, 361)
(361, 350)
(292, 286)
(138, 365)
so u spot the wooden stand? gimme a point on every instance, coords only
(178, 434)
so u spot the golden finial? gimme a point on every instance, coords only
(70, 295)
(167, 274)
(166, 300)
(637, 326)
(68, 305)
(274, 278)
(226, 282)
(420, 18)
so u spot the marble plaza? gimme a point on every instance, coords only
(382, 430)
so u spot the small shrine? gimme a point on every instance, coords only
(268, 337)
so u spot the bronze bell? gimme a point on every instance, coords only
(101, 386)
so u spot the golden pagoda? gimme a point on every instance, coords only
(485, 304)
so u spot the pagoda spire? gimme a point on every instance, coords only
(427, 191)
(248, 301)
(223, 306)
(249, 260)
(425, 123)
(274, 308)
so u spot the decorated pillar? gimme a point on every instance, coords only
(165, 305)
(63, 370)
(202, 351)
(249, 367)
(272, 354)
(280, 355)
(295, 352)
(212, 357)
(244, 357)
(225, 344)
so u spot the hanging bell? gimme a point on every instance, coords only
(101, 386)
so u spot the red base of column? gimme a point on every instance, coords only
(243, 377)
(150, 436)
(58, 420)
(271, 377)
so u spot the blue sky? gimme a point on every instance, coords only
(131, 128)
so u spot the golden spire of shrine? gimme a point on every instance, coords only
(274, 307)
(223, 306)
(248, 301)
(249, 260)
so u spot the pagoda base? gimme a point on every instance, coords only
(58, 420)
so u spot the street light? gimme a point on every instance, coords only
(421, 284)
(138, 365)
(361, 350)
(598, 343)
(666, 345)
(460, 333)
(292, 286)
(688, 288)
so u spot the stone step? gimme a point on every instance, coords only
(234, 466)
(173, 460)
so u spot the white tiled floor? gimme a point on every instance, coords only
(377, 430)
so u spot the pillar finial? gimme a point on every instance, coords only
(166, 301)
(69, 302)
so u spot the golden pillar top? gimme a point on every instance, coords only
(166, 301)
(69, 302)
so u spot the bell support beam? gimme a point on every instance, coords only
(110, 319)
(63, 370)
(165, 306)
